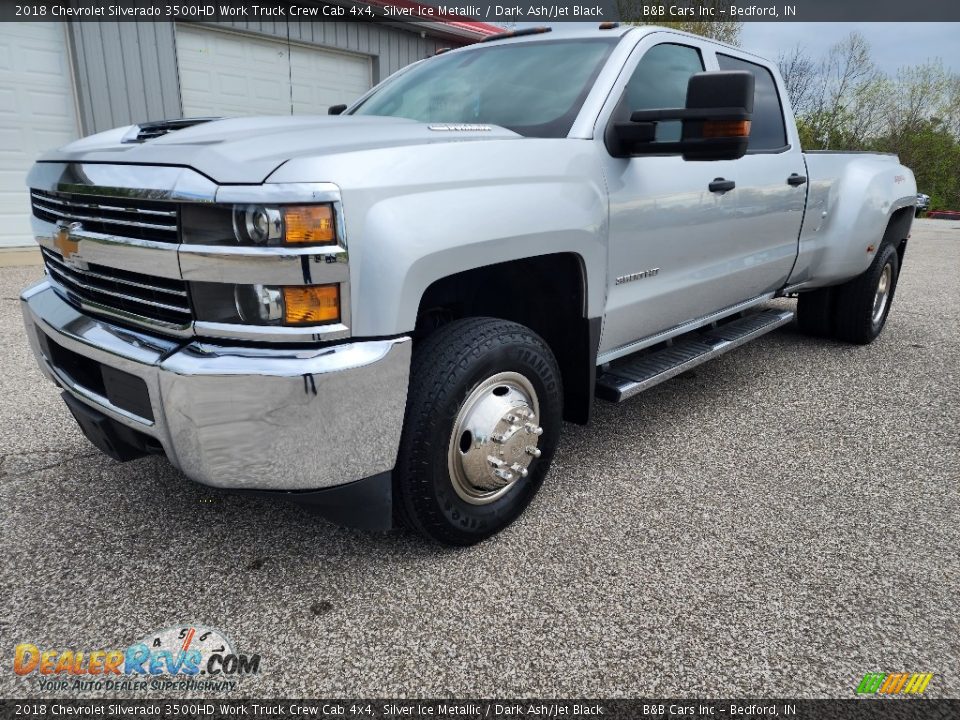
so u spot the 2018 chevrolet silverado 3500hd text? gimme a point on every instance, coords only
(389, 312)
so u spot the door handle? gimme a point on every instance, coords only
(796, 179)
(721, 185)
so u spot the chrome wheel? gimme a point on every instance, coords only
(882, 296)
(494, 438)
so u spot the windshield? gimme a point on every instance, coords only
(533, 88)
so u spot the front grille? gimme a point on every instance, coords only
(122, 217)
(149, 298)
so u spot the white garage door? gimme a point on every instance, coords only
(37, 113)
(229, 74)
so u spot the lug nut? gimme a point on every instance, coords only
(534, 429)
(504, 475)
(520, 470)
(512, 419)
(533, 450)
(495, 462)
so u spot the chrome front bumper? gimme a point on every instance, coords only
(241, 417)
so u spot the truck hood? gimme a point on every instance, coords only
(248, 150)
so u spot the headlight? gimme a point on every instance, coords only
(287, 305)
(259, 225)
(259, 304)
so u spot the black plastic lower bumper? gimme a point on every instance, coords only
(363, 504)
(111, 438)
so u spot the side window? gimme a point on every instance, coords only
(767, 131)
(660, 81)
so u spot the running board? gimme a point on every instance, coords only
(625, 379)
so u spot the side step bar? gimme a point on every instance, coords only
(628, 377)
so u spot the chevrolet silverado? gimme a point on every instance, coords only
(387, 312)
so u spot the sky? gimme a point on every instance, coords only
(893, 45)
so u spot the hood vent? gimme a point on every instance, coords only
(150, 130)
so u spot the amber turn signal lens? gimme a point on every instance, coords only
(309, 224)
(311, 305)
(726, 128)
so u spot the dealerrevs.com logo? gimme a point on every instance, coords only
(187, 657)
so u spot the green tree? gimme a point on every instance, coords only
(932, 151)
(844, 102)
(918, 94)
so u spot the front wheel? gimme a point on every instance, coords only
(482, 424)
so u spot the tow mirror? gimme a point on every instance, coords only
(336, 109)
(716, 121)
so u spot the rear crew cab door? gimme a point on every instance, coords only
(762, 229)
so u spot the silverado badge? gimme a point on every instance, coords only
(637, 276)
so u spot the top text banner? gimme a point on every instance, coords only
(504, 11)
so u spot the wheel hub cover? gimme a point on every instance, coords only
(495, 438)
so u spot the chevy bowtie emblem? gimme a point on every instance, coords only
(68, 247)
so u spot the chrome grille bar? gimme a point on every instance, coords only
(149, 298)
(93, 218)
(52, 257)
(140, 219)
(36, 195)
(70, 279)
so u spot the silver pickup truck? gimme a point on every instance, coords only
(387, 313)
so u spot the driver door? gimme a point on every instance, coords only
(664, 252)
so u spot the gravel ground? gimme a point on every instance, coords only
(776, 523)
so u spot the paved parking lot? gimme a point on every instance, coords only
(777, 522)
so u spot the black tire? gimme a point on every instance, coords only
(855, 320)
(446, 368)
(815, 312)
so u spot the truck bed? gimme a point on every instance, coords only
(850, 196)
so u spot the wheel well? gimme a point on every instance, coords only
(898, 230)
(545, 293)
